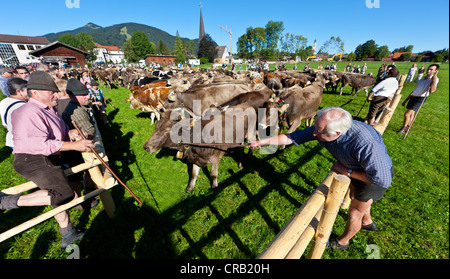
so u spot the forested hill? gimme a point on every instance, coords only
(116, 35)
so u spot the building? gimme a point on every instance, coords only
(109, 54)
(163, 60)
(15, 49)
(58, 53)
(223, 56)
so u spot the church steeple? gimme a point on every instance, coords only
(202, 27)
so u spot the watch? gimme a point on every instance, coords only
(349, 173)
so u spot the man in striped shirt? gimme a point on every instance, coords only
(360, 153)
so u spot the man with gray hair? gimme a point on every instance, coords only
(361, 155)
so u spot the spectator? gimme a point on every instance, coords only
(5, 75)
(364, 68)
(381, 93)
(424, 87)
(360, 153)
(17, 98)
(40, 136)
(22, 72)
(98, 101)
(411, 73)
(420, 74)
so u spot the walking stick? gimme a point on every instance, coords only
(113, 174)
(361, 108)
(414, 118)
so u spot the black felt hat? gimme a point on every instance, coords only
(40, 80)
(75, 87)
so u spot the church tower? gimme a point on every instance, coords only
(202, 27)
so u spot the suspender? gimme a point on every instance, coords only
(6, 112)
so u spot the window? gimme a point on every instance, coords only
(30, 47)
(8, 54)
(21, 47)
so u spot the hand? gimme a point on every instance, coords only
(75, 136)
(83, 145)
(253, 145)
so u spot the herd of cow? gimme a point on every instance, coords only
(171, 97)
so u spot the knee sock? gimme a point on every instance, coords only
(9, 202)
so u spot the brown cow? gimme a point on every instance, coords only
(303, 104)
(358, 82)
(200, 156)
(151, 99)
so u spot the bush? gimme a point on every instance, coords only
(204, 60)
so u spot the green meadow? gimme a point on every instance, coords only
(253, 204)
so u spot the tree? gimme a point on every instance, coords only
(351, 56)
(408, 48)
(207, 48)
(179, 50)
(141, 45)
(405, 57)
(162, 48)
(273, 30)
(381, 52)
(68, 39)
(366, 50)
(82, 41)
(332, 46)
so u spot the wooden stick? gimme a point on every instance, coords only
(106, 166)
(45, 216)
(338, 189)
(289, 235)
(31, 185)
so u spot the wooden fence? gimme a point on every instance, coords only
(101, 177)
(317, 215)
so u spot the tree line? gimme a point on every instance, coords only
(270, 43)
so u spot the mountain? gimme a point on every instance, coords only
(116, 35)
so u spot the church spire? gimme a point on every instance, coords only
(202, 27)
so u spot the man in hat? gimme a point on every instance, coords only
(5, 75)
(78, 109)
(40, 135)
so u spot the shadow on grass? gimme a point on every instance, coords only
(117, 238)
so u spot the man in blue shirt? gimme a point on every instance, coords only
(360, 153)
(5, 75)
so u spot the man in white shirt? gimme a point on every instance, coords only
(424, 87)
(17, 88)
(411, 73)
(381, 93)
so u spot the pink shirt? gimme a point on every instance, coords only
(38, 129)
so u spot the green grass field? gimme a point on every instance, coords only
(253, 204)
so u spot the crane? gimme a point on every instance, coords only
(231, 39)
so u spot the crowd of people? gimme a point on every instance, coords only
(45, 142)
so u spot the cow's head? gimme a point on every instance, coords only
(275, 109)
(169, 130)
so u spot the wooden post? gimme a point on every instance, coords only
(300, 247)
(97, 178)
(336, 194)
(289, 235)
(347, 200)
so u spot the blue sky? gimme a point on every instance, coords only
(396, 23)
